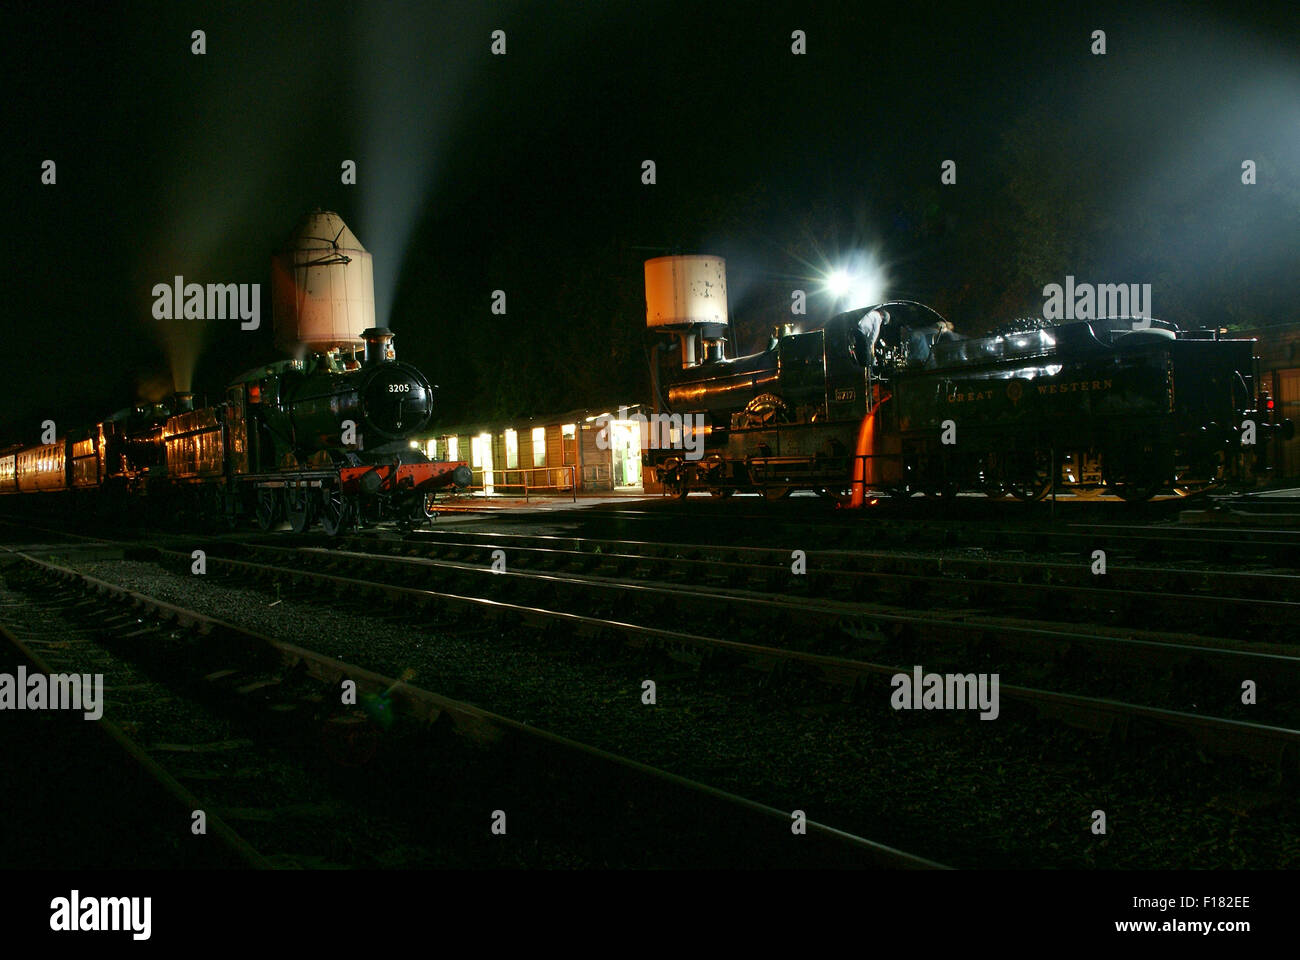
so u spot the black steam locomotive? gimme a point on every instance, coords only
(324, 438)
(889, 399)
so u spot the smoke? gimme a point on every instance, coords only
(155, 387)
(409, 91)
(183, 345)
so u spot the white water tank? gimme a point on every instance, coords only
(322, 287)
(683, 291)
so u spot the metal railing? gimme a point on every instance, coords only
(530, 479)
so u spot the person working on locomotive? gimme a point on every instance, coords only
(921, 342)
(863, 346)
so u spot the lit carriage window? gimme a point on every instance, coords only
(569, 431)
(453, 448)
(431, 449)
(512, 449)
(539, 446)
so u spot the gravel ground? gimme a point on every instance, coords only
(1171, 682)
(91, 807)
(1013, 792)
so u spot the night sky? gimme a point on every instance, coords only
(523, 173)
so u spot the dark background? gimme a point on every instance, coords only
(523, 173)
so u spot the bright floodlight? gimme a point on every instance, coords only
(866, 291)
(859, 282)
(839, 283)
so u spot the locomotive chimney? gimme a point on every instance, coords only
(379, 346)
(183, 403)
(687, 296)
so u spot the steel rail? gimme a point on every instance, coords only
(1216, 732)
(484, 725)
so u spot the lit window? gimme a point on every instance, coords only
(453, 448)
(512, 450)
(431, 450)
(539, 446)
(569, 431)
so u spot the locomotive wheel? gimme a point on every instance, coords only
(335, 512)
(417, 515)
(369, 513)
(1136, 491)
(1032, 488)
(1030, 492)
(678, 484)
(299, 508)
(270, 509)
(422, 509)
(1134, 474)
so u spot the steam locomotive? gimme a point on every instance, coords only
(325, 435)
(889, 398)
(299, 440)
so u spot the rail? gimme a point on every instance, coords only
(487, 728)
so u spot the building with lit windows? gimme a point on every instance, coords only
(587, 451)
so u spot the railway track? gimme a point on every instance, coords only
(946, 527)
(57, 651)
(810, 632)
(284, 682)
(734, 592)
(1256, 605)
(553, 590)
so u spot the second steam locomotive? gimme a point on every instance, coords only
(888, 398)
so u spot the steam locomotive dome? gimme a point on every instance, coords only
(396, 400)
(322, 287)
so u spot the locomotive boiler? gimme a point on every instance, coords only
(327, 405)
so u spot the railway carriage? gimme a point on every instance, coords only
(9, 471)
